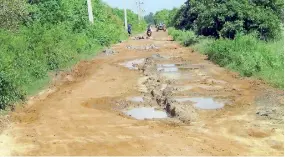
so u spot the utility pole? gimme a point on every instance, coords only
(143, 11)
(126, 19)
(139, 3)
(90, 12)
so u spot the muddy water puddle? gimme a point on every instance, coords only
(204, 103)
(146, 113)
(132, 64)
(175, 74)
(168, 69)
(178, 71)
(181, 66)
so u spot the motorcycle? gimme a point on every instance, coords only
(148, 33)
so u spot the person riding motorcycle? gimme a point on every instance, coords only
(149, 30)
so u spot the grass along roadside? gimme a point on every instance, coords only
(245, 54)
(51, 36)
(37, 84)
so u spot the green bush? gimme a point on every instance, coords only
(57, 35)
(187, 38)
(237, 26)
(245, 54)
(251, 57)
(8, 91)
(226, 18)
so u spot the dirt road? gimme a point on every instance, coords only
(211, 111)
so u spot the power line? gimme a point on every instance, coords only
(140, 10)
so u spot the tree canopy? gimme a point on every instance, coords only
(149, 18)
(226, 18)
(165, 16)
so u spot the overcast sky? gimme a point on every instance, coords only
(148, 6)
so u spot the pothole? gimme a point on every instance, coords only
(204, 103)
(177, 71)
(167, 69)
(191, 66)
(171, 74)
(182, 88)
(180, 66)
(166, 65)
(146, 47)
(132, 65)
(142, 113)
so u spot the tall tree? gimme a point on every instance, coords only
(225, 18)
(149, 18)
